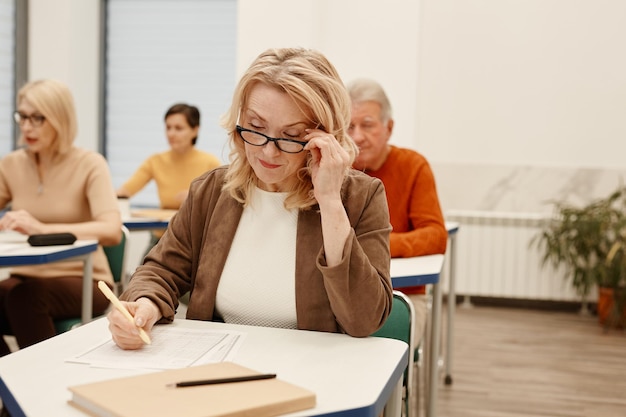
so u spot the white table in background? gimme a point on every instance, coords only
(148, 219)
(144, 223)
(350, 376)
(15, 251)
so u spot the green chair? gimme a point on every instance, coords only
(116, 257)
(399, 325)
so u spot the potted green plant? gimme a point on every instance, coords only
(590, 243)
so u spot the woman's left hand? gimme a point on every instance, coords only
(21, 221)
(328, 164)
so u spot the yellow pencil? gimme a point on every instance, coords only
(117, 304)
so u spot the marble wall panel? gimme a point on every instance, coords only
(520, 189)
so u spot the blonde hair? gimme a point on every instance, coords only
(316, 88)
(55, 102)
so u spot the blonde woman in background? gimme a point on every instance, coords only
(53, 186)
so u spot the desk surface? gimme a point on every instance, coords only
(452, 227)
(143, 223)
(15, 250)
(37, 377)
(418, 270)
(148, 219)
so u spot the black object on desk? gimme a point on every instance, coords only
(51, 239)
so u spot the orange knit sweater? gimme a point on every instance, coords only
(414, 210)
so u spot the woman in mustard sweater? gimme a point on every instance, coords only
(173, 170)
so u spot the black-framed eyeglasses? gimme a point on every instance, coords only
(35, 119)
(254, 138)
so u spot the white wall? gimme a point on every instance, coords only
(515, 103)
(362, 38)
(539, 82)
(63, 44)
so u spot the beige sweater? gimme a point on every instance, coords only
(76, 188)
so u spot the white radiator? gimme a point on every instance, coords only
(495, 259)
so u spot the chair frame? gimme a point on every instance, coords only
(119, 280)
(409, 390)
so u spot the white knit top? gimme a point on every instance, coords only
(257, 286)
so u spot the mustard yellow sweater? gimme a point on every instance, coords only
(172, 172)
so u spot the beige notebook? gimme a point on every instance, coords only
(151, 395)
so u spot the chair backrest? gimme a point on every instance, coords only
(399, 324)
(116, 257)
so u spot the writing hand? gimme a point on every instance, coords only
(126, 334)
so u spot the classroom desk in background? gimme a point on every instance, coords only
(350, 376)
(424, 270)
(135, 224)
(148, 219)
(15, 251)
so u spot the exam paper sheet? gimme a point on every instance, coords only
(171, 348)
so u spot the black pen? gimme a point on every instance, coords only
(223, 380)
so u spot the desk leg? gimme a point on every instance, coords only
(433, 357)
(87, 306)
(393, 408)
(451, 310)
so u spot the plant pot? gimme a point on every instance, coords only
(607, 315)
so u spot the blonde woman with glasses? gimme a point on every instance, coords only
(52, 186)
(287, 235)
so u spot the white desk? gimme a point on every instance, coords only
(143, 223)
(424, 270)
(15, 251)
(350, 376)
(148, 219)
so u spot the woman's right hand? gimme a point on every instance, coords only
(126, 334)
(23, 222)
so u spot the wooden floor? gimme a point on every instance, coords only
(519, 363)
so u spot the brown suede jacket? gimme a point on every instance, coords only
(354, 297)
